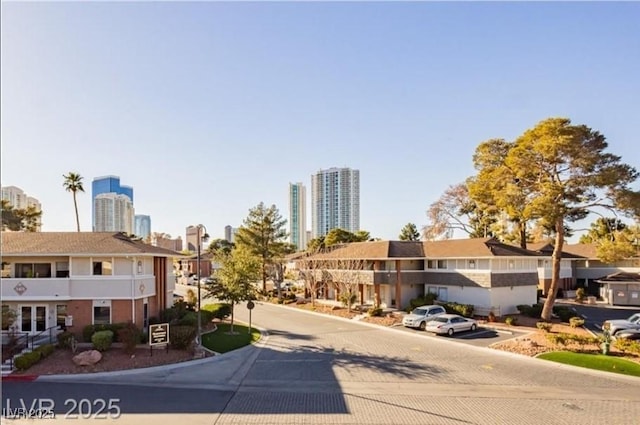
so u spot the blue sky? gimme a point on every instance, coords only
(209, 108)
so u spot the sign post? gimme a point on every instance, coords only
(250, 306)
(158, 335)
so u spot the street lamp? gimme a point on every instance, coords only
(201, 239)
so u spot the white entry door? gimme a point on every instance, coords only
(33, 318)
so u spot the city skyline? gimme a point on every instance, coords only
(210, 108)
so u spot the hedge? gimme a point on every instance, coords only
(181, 337)
(26, 360)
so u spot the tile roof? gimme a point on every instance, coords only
(585, 250)
(452, 248)
(77, 243)
(474, 247)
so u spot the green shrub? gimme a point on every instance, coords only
(563, 312)
(533, 311)
(348, 299)
(219, 310)
(544, 326)
(45, 350)
(130, 336)
(26, 360)
(64, 339)
(102, 340)
(465, 310)
(628, 346)
(87, 333)
(205, 316)
(89, 330)
(576, 322)
(428, 299)
(189, 319)
(182, 337)
(511, 321)
(557, 339)
(375, 312)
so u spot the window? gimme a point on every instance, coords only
(145, 315)
(62, 269)
(31, 270)
(431, 264)
(61, 314)
(139, 267)
(472, 264)
(442, 264)
(6, 270)
(102, 268)
(101, 315)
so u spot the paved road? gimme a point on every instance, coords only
(314, 369)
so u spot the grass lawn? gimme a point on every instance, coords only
(594, 361)
(221, 342)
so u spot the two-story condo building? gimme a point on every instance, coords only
(83, 278)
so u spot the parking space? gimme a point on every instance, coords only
(481, 337)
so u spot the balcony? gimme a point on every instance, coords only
(53, 289)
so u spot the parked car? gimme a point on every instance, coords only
(419, 317)
(632, 334)
(450, 324)
(616, 326)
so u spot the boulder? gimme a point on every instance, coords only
(87, 358)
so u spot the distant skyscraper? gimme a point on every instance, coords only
(230, 233)
(20, 201)
(142, 227)
(191, 238)
(335, 200)
(106, 185)
(113, 213)
(298, 215)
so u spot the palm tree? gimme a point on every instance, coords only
(73, 183)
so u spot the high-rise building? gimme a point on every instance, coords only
(230, 233)
(20, 201)
(298, 215)
(113, 213)
(110, 185)
(142, 226)
(191, 238)
(335, 200)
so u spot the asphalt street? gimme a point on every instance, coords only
(314, 369)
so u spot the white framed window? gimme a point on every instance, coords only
(139, 266)
(102, 268)
(472, 264)
(101, 312)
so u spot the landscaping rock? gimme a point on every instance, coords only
(87, 358)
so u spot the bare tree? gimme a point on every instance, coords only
(347, 275)
(310, 270)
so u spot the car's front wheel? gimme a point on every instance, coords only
(473, 327)
(423, 326)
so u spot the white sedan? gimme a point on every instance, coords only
(450, 324)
